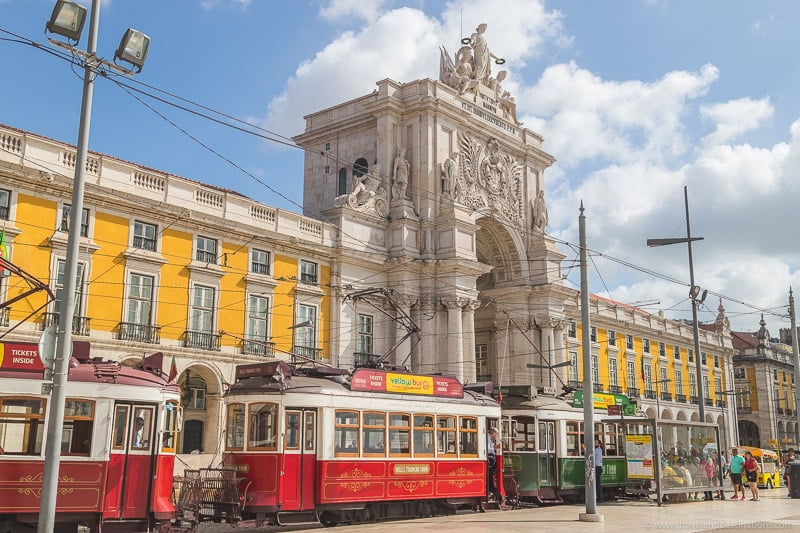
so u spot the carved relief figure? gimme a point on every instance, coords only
(539, 212)
(368, 193)
(400, 176)
(449, 174)
(504, 98)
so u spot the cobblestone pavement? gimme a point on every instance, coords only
(775, 511)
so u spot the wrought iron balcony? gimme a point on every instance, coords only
(308, 352)
(650, 394)
(200, 339)
(263, 348)
(364, 359)
(720, 402)
(80, 324)
(633, 392)
(615, 389)
(779, 410)
(4, 313)
(131, 331)
(665, 395)
(709, 402)
(598, 387)
(680, 398)
(693, 399)
(144, 243)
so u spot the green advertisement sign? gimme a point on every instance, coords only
(602, 401)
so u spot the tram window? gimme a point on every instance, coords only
(524, 439)
(170, 426)
(76, 437)
(346, 433)
(309, 432)
(574, 439)
(235, 427)
(446, 436)
(292, 430)
(399, 434)
(374, 433)
(142, 427)
(611, 442)
(468, 436)
(21, 426)
(263, 422)
(120, 427)
(423, 436)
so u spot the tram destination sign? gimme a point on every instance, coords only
(367, 379)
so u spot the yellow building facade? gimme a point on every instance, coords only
(202, 275)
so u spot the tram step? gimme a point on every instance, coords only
(294, 518)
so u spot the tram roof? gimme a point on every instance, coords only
(105, 372)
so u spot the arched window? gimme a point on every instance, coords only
(342, 186)
(194, 394)
(360, 167)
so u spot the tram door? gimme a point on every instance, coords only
(130, 461)
(548, 465)
(300, 460)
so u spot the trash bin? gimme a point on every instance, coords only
(794, 478)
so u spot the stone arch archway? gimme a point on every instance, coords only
(695, 417)
(651, 412)
(749, 433)
(666, 414)
(201, 397)
(681, 416)
(497, 247)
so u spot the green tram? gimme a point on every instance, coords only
(543, 459)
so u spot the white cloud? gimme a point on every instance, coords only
(735, 117)
(349, 10)
(212, 4)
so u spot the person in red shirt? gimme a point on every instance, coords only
(751, 469)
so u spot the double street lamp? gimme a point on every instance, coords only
(67, 20)
(694, 296)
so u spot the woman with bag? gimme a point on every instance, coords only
(708, 470)
(751, 469)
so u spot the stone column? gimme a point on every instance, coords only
(468, 327)
(455, 338)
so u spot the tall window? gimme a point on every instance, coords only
(257, 312)
(342, 184)
(595, 370)
(613, 378)
(259, 261)
(306, 335)
(743, 398)
(206, 250)
(663, 378)
(593, 336)
(482, 362)
(60, 288)
(692, 384)
(705, 387)
(629, 342)
(648, 377)
(5, 204)
(144, 235)
(140, 299)
(676, 353)
(195, 394)
(662, 350)
(718, 386)
(203, 309)
(631, 376)
(612, 338)
(263, 426)
(646, 345)
(573, 365)
(66, 220)
(365, 335)
(572, 330)
(678, 382)
(308, 272)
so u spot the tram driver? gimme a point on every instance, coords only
(492, 445)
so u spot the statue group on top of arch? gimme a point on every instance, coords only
(483, 177)
(369, 194)
(472, 67)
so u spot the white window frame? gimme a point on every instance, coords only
(144, 237)
(366, 335)
(80, 286)
(257, 266)
(208, 256)
(613, 372)
(304, 276)
(631, 368)
(131, 298)
(62, 219)
(212, 309)
(309, 332)
(259, 316)
(645, 345)
(629, 342)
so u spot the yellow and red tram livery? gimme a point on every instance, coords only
(117, 446)
(336, 447)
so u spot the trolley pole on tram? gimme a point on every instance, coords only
(588, 387)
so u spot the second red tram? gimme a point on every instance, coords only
(375, 444)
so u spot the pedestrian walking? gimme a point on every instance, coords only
(751, 469)
(708, 470)
(737, 464)
(787, 470)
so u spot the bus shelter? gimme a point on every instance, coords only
(677, 458)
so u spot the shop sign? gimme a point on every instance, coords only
(603, 401)
(366, 379)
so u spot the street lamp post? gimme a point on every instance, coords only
(694, 292)
(67, 20)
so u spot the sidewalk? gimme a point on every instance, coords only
(775, 511)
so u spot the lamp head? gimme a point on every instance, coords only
(133, 48)
(67, 20)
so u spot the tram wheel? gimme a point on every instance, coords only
(327, 519)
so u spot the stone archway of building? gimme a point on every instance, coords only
(666, 414)
(651, 412)
(695, 417)
(749, 435)
(681, 416)
(709, 418)
(201, 397)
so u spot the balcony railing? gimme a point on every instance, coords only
(598, 387)
(262, 348)
(202, 340)
(693, 399)
(680, 398)
(633, 392)
(130, 331)
(779, 410)
(364, 359)
(720, 402)
(650, 394)
(666, 396)
(308, 352)
(744, 410)
(144, 243)
(709, 402)
(80, 324)
(4, 313)
(575, 384)
(615, 389)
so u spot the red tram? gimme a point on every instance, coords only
(324, 445)
(118, 445)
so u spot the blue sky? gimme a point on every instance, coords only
(634, 98)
